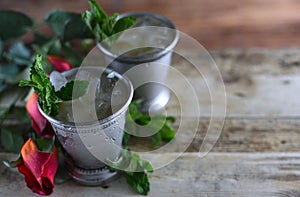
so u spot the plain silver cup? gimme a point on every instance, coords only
(155, 95)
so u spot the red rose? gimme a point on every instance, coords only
(39, 168)
(39, 122)
(59, 64)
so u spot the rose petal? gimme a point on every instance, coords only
(59, 64)
(39, 122)
(39, 168)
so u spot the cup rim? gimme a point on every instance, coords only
(97, 122)
(148, 57)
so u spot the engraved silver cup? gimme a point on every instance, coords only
(88, 144)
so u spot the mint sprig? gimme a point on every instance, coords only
(104, 26)
(49, 98)
(136, 171)
(43, 87)
(160, 123)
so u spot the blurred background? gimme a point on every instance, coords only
(215, 24)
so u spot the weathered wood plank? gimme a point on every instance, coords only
(262, 108)
(217, 174)
(237, 135)
(259, 83)
(265, 125)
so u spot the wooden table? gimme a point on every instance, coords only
(257, 152)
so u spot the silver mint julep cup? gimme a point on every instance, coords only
(88, 143)
(145, 58)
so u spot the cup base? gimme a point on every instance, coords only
(90, 177)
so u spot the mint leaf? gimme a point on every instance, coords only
(133, 111)
(66, 93)
(135, 170)
(167, 132)
(160, 123)
(43, 87)
(104, 26)
(123, 24)
(156, 139)
(139, 181)
(96, 10)
(49, 98)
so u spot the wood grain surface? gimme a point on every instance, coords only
(256, 152)
(216, 175)
(215, 24)
(253, 149)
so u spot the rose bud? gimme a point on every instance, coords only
(59, 64)
(39, 168)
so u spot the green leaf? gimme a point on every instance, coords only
(13, 24)
(12, 141)
(57, 20)
(45, 144)
(123, 24)
(97, 11)
(41, 39)
(8, 71)
(93, 25)
(135, 170)
(139, 181)
(75, 28)
(67, 92)
(104, 26)
(156, 139)
(47, 66)
(43, 87)
(167, 133)
(19, 54)
(133, 111)
(157, 123)
(172, 119)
